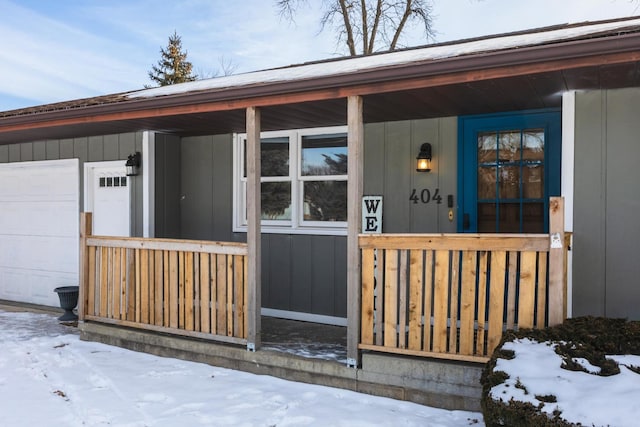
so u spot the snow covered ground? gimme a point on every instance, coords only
(49, 377)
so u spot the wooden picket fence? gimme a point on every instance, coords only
(182, 287)
(452, 295)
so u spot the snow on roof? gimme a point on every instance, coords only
(364, 63)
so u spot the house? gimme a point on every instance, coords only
(511, 122)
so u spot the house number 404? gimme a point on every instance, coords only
(425, 196)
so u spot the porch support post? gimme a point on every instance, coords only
(557, 267)
(355, 142)
(254, 257)
(86, 228)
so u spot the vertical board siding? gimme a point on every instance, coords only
(450, 295)
(177, 289)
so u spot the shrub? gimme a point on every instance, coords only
(590, 338)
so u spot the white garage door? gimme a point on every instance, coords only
(39, 226)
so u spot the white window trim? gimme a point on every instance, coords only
(296, 225)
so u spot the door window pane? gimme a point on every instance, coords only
(325, 200)
(276, 200)
(533, 181)
(509, 182)
(487, 147)
(324, 155)
(487, 182)
(533, 145)
(509, 147)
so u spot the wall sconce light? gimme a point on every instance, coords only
(424, 158)
(133, 164)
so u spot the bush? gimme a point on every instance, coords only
(590, 338)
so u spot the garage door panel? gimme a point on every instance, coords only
(39, 226)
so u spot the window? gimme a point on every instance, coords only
(303, 181)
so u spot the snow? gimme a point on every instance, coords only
(350, 65)
(49, 377)
(583, 397)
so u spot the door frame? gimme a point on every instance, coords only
(469, 126)
(89, 174)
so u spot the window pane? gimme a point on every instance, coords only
(487, 146)
(533, 181)
(274, 157)
(325, 201)
(509, 147)
(324, 155)
(509, 182)
(276, 200)
(487, 182)
(533, 145)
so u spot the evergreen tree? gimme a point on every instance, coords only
(173, 66)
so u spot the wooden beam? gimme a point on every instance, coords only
(427, 79)
(355, 142)
(254, 294)
(556, 261)
(86, 229)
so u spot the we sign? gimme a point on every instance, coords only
(372, 214)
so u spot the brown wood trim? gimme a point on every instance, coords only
(407, 352)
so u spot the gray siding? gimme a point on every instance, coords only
(390, 151)
(606, 205)
(167, 186)
(87, 149)
(206, 188)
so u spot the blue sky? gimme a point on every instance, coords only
(57, 50)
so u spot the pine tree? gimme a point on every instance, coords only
(173, 66)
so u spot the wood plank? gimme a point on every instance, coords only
(390, 298)
(131, 284)
(86, 228)
(378, 295)
(367, 297)
(189, 320)
(429, 266)
(448, 241)
(172, 331)
(238, 297)
(104, 274)
(454, 314)
(152, 286)
(408, 352)
(92, 283)
(110, 281)
(229, 301)
(213, 292)
(159, 287)
(416, 265)
(117, 283)
(144, 285)
(496, 299)
(355, 185)
(541, 294)
(166, 283)
(402, 300)
(482, 305)
(527, 289)
(229, 248)
(138, 285)
(511, 291)
(221, 271)
(557, 267)
(468, 301)
(197, 295)
(440, 301)
(173, 289)
(254, 219)
(181, 289)
(205, 295)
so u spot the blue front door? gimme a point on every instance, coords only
(509, 167)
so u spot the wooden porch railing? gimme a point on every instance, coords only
(190, 288)
(452, 295)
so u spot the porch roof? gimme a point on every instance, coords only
(514, 71)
